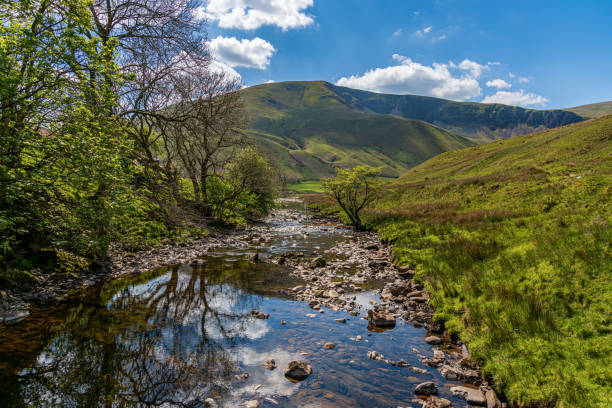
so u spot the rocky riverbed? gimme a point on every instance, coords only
(344, 297)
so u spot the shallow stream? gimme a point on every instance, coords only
(181, 334)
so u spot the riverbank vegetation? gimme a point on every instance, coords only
(512, 239)
(115, 129)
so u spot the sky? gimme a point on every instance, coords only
(537, 53)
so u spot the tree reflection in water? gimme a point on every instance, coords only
(150, 341)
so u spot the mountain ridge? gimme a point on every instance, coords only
(311, 127)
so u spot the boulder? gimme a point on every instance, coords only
(435, 402)
(210, 403)
(298, 370)
(381, 319)
(259, 315)
(433, 340)
(470, 395)
(426, 388)
(270, 364)
(492, 400)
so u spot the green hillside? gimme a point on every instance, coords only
(310, 131)
(593, 110)
(312, 127)
(513, 241)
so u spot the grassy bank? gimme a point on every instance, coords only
(513, 241)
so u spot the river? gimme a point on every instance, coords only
(181, 334)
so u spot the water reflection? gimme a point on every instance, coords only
(165, 341)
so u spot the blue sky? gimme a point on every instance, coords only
(542, 54)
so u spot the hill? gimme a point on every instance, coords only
(310, 130)
(593, 110)
(513, 240)
(312, 127)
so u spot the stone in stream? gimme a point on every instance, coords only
(340, 320)
(435, 402)
(329, 345)
(298, 370)
(433, 340)
(210, 403)
(471, 395)
(259, 315)
(254, 257)
(426, 388)
(270, 364)
(381, 319)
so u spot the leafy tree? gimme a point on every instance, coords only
(246, 190)
(62, 153)
(354, 189)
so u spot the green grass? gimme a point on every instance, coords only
(310, 186)
(513, 241)
(593, 110)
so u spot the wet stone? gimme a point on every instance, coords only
(298, 370)
(426, 388)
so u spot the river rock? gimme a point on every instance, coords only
(318, 262)
(435, 402)
(259, 315)
(329, 345)
(492, 400)
(298, 370)
(210, 403)
(270, 364)
(340, 320)
(14, 317)
(426, 388)
(381, 319)
(433, 340)
(471, 395)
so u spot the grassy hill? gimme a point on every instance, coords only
(313, 127)
(513, 240)
(593, 110)
(310, 131)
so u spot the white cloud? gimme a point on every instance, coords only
(252, 14)
(473, 67)
(255, 53)
(409, 77)
(421, 33)
(440, 38)
(519, 98)
(498, 83)
(511, 75)
(397, 32)
(270, 81)
(523, 80)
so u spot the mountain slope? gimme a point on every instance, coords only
(312, 127)
(513, 240)
(593, 110)
(310, 131)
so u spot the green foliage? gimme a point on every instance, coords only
(513, 241)
(247, 191)
(353, 190)
(63, 164)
